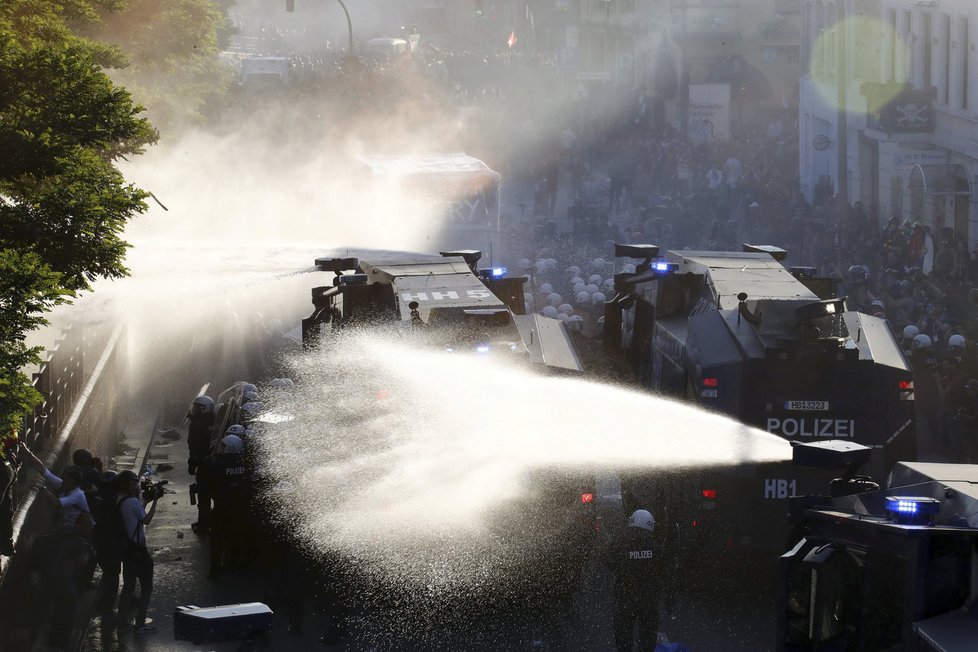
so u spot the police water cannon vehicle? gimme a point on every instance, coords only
(741, 334)
(883, 569)
(447, 298)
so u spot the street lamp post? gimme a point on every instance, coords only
(349, 25)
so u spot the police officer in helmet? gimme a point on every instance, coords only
(201, 419)
(636, 560)
(226, 480)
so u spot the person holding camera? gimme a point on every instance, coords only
(137, 564)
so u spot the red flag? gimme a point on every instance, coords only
(511, 41)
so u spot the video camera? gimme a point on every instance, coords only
(152, 490)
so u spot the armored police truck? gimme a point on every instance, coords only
(738, 333)
(885, 569)
(446, 298)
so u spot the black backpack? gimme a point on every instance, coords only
(109, 534)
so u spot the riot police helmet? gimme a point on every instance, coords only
(203, 404)
(237, 430)
(249, 396)
(910, 332)
(546, 288)
(231, 444)
(921, 342)
(642, 519)
(956, 342)
(549, 311)
(856, 273)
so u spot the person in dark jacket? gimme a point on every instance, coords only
(199, 440)
(636, 561)
(69, 574)
(226, 478)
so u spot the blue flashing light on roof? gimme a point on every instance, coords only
(482, 348)
(661, 266)
(492, 272)
(912, 509)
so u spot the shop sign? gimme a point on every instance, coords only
(907, 158)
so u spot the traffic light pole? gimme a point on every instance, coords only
(290, 7)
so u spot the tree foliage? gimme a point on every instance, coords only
(172, 47)
(63, 203)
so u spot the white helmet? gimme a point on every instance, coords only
(524, 264)
(551, 263)
(591, 288)
(528, 299)
(921, 342)
(546, 288)
(608, 284)
(566, 308)
(956, 342)
(910, 332)
(594, 278)
(598, 262)
(237, 430)
(583, 297)
(204, 404)
(579, 287)
(575, 322)
(549, 311)
(231, 444)
(642, 518)
(249, 396)
(597, 298)
(573, 270)
(248, 387)
(282, 383)
(575, 280)
(563, 316)
(252, 407)
(540, 266)
(554, 299)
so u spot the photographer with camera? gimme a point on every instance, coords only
(137, 564)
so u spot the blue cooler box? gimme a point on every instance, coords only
(232, 622)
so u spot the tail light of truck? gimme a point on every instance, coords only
(906, 390)
(710, 387)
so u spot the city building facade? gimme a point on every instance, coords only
(888, 99)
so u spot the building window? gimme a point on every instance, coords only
(909, 46)
(946, 59)
(891, 63)
(964, 46)
(927, 49)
